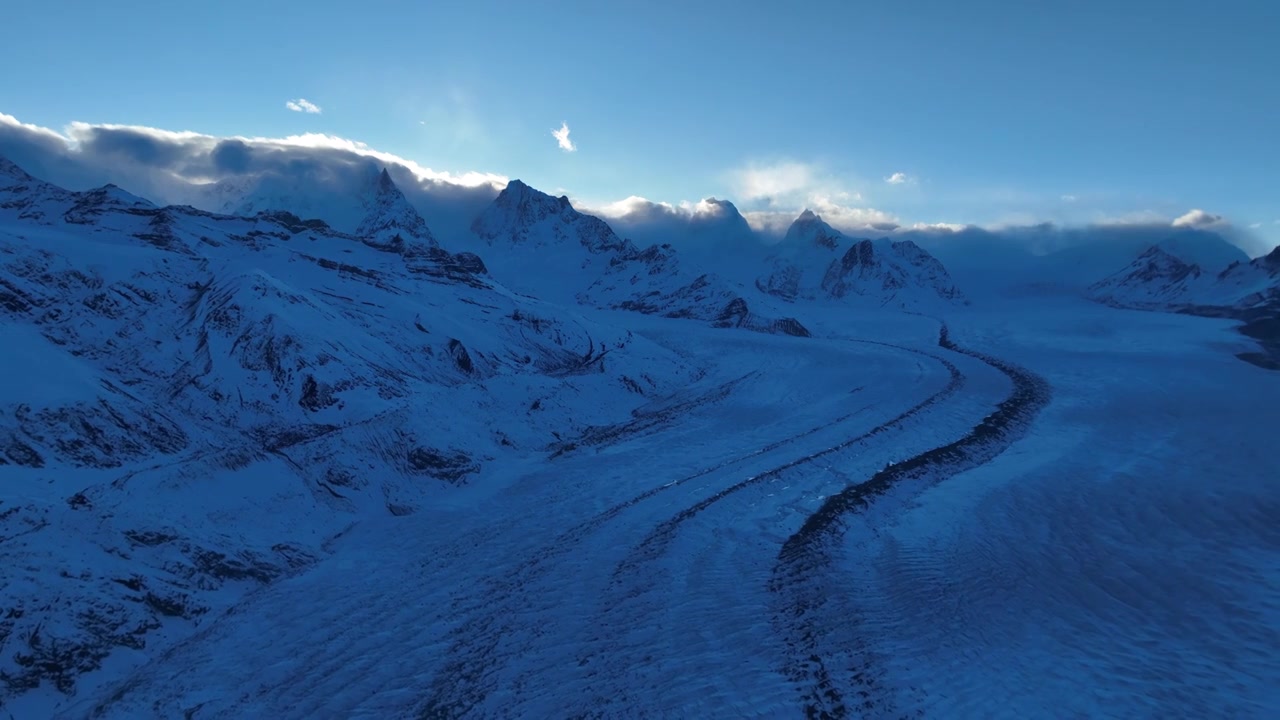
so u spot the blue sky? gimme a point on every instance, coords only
(993, 112)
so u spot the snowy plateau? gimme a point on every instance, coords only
(300, 452)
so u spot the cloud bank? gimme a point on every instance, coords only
(214, 172)
(773, 194)
(181, 167)
(86, 155)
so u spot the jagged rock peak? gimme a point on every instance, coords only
(519, 193)
(810, 228)
(523, 215)
(391, 216)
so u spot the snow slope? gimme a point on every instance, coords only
(1085, 569)
(199, 402)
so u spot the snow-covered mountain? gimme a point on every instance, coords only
(1187, 270)
(197, 403)
(1157, 276)
(1168, 278)
(798, 263)
(815, 260)
(390, 217)
(542, 246)
(1251, 284)
(342, 195)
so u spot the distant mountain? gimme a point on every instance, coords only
(543, 246)
(1252, 284)
(195, 402)
(798, 263)
(1166, 278)
(342, 196)
(1184, 269)
(1155, 277)
(814, 260)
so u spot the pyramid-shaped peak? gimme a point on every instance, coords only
(809, 229)
(390, 218)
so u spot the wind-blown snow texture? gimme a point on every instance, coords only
(255, 466)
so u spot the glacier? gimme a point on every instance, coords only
(302, 451)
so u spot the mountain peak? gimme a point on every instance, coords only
(1155, 275)
(809, 229)
(526, 215)
(391, 221)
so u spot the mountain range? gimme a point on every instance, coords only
(363, 363)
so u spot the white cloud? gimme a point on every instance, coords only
(1136, 217)
(641, 209)
(1199, 219)
(44, 133)
(939, 227)
(1255, 226)
(774, 194)
(1069, 198)
(898, 178)
(841, 217)
(562, 138)
(303, 105)
(771, 182)
(633, 205)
